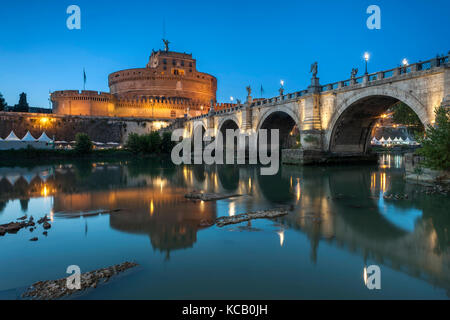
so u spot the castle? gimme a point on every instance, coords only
(169, 87)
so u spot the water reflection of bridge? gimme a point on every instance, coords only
(338, 205)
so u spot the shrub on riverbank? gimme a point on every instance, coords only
(436, 144)
(151, 143)
(83, 144)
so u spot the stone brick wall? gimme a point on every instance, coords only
(102, 104)
(100, 129)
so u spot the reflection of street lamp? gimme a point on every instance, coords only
(366, 58)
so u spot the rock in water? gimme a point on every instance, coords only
(55, 289)
(34, 239)
(209, 196)
(267, 214)
(47, 225)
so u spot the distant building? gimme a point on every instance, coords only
(168, 87)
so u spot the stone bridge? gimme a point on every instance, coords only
(336, 119)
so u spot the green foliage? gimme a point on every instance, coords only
(402, 114)
(436, 144)
(311, 139)
(134, 143)
(83, 144)
(22, 106)
(151, 143)
(155, 142)
(167, 144)
(3, 104)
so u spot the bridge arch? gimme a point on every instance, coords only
(271, 111)
(284, 119)
(355, 117)
(228, 120)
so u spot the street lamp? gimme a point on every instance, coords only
(231, 99)
(366, 58)
(282, 83)
(405, 62)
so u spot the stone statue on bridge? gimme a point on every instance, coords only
(281, 90)
(354, 73)
(249, 91)
(314, 69)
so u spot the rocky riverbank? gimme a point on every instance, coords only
(57, 289)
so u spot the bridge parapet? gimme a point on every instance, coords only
(388, 74)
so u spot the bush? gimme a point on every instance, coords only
(155, 142)
(149, 143)
(436, 144)
(83, 144)
(311, 139)
(167, 144)
(134, 143)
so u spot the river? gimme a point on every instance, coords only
(338, 224)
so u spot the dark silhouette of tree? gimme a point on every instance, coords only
(3, 104)
(436, 144)
(403, 114)
(22, 106)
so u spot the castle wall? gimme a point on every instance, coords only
(100, 129)
(92, 103)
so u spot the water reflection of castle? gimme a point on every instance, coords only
(338, 206)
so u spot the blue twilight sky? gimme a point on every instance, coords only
(239, 42)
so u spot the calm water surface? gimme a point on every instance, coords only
(339, 224)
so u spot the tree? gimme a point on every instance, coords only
(436, 143)
(146, 143)
(402, 114)
(22, 106)
(155, 142)
(3, 104)
(167, 144)
(83, 144)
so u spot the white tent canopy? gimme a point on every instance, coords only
(12, 137)
(29, 137)
(44, 138)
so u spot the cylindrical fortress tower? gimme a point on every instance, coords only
(167, 75)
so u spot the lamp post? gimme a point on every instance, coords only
(405, 62)
(366, 58)
(281, 88)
